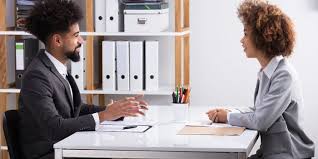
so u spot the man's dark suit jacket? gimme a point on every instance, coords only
(48, 113)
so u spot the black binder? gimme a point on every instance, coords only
(26, 50)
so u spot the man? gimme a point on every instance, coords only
(50, 104)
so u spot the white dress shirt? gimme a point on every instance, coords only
(62, 69)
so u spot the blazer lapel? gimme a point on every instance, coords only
(52, 68)
(256, 91)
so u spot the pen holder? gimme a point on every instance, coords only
(180, 111)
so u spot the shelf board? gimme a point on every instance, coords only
(161, 91)
(183, 33)
(14, 33)
(10, 90)
(4, 147)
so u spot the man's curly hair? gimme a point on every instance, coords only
(52, 16)
(272, 31)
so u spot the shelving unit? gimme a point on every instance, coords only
(181, 35)
(174, 34)
(161, 91)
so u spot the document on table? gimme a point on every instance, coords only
(206, 128)
(131, 121)
(207, 124)
(123, 128)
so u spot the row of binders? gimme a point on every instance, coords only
(126, 66)
(23, 9)
(131, 15)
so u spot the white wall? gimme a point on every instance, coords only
(220, 72)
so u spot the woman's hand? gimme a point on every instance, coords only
(218, 115)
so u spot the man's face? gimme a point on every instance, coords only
(72, 43)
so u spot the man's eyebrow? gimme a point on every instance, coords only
(76, 33)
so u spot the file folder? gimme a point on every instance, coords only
(136, 65)
(19, 63)
(26, 50)
(112, 15)
(109, 65)
(78, 69)
(100, 13)
(151, 64)
(122, 57)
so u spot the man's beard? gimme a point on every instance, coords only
(73, 55)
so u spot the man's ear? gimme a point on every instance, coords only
(57, 40)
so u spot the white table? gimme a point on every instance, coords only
(161, 141)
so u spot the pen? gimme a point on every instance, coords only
(129, 127)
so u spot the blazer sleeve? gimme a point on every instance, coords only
(90, 109)
(38, 100)
(274, 103)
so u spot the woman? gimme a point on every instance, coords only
(269, 37)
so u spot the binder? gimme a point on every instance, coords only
(19, 63)
(26, 50)
(109, 65)
(112, 15)
(151, 64)
(136, 65)
(100, 13)
(78, 69)
(122, 58)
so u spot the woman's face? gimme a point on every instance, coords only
(248, 45)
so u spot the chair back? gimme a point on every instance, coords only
(11, 133)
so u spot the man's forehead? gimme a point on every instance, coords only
(74, 29)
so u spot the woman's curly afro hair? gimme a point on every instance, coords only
(272, 31)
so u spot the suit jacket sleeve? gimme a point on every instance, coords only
(90, 109)
(38, 98)
(274, 103)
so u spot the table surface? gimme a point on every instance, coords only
(162, 137)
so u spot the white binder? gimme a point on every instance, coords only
(136, 65)
(112, 15)
(19, 61)
(100, 13)
(78, 69)
(152, 63)
(109, 65)
(122, 57)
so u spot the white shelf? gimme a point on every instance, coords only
(161, 91)
(4, 147)
(183, 33)
(10, 90)
(13, 33)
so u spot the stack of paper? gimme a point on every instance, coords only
(208, 128)
(129, 124)
(122, 128)
(131, 121)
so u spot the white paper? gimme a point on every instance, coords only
(131, 121)
(207, 124)
(120, 128)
